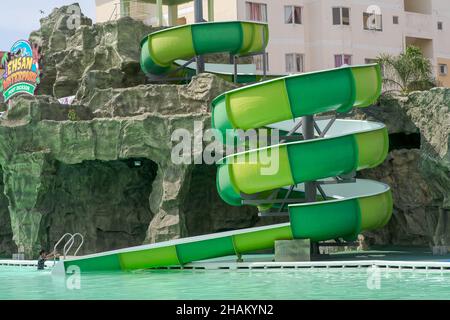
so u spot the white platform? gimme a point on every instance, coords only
(411, 265)
(25, 263)
(258, 263)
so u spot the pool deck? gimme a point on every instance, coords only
(389, 258)
(399, 258)
(392, 258)
(251, 264)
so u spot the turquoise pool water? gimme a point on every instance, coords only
(28, 283)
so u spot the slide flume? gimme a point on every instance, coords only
(348, 146)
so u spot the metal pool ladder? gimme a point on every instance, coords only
(69, 244)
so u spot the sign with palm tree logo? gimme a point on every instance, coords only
(21, 66)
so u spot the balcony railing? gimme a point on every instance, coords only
(419, 25)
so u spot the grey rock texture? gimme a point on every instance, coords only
(106, 201)
(7, 245)
(420, 175)
(106, 53)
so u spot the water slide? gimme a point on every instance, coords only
(346, 210)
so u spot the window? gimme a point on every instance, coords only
(292, 15)
(341, 15)
(258, 61)
(395, 19)
(256, 11)
(346, 16)
(341, 59)
(440, 25)
(295, 63)
(336, 16)
(443, 69)
(372, 21)
(370, 61)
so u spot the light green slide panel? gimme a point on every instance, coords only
(277, 104)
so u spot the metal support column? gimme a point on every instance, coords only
(198, 12)
(173, 15)
(310, 186)
(210, 10)
(159, 12)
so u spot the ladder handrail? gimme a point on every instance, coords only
(81, 243)
(68, 245)
(71, 242)
(61, 239)
(57, 244)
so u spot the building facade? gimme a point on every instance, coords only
(309, 35)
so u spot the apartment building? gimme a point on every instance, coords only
(308, 35)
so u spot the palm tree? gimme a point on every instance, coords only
(407, 72)
(4, 59)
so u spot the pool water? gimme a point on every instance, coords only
(28, 283)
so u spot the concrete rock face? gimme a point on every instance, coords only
(114, 212)
(102, 166)
(418, 169)
(7, 245)
(76, 52)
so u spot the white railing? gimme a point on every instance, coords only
(69, 244)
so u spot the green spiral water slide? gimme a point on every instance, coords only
(348, 146)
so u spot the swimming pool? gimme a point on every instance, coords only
(28, 283)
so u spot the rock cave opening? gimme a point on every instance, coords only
(205, 212)
(106, 201)
(401, 140)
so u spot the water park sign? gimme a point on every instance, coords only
(21, 66)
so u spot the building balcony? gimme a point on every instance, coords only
(418, 6)
(419, 25)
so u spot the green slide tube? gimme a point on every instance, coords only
(301, 161)
(350, 145)
(297, 95)
(160, 49)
